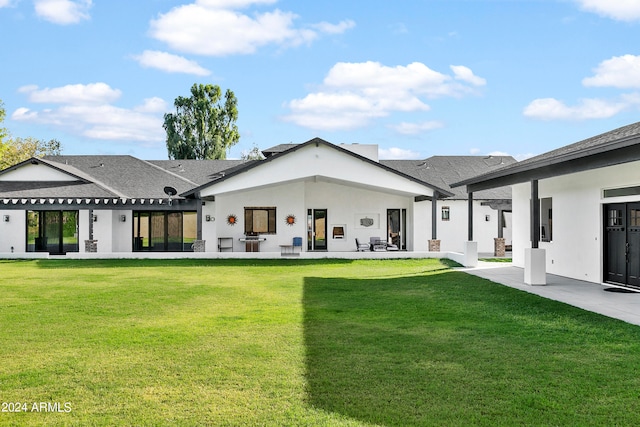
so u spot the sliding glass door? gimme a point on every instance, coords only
(164, 231)
(55, 232)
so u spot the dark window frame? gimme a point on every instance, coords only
(249, 216)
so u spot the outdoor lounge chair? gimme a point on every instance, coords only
(361, 247)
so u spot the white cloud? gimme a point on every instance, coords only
(5, 3)
(466, 75)
(63, 12)
(353, 94)
(72, 94)
(619, 71)
(215, 28)
(552, 109)
(406, 128)
(86, 110)
(152, 105)
(170, 63)
(621, 10)
(328, 28)
(232, 4)
(395, 153)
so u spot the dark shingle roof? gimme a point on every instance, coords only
(277, 149)
(126, 176)
(583, 155)
(442, 171)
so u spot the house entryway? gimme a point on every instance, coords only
(622, 244)
(397, 228)
(317, 229)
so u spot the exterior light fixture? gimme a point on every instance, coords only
(6, 218)
(95, 218)
(123, 218)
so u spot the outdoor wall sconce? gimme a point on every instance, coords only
(123, 218)
(6, 218)
(95, 218)
(209, 218)
(487, 218)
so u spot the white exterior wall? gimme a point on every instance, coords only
(453, 233)
(14, 232)
(576, 249)
(122, 231)
(210, 228)
(38, 172)
(103, 230)
(343, 205)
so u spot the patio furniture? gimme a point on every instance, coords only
(286, 250)
(362, 247)
(377, 244)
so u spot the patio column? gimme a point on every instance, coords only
(434, 243)
(470, 247)
(434, 216)
(199, 220)
(535, 267)
(470, 219)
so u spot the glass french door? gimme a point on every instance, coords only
(622, 244)
(317, 229)
(396, 227)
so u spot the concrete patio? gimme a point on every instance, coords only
(586, 295)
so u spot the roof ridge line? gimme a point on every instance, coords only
(169, 172)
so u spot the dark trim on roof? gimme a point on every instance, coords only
(561, 162)
(317, 141)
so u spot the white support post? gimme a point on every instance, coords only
(535, 266)
(470, 254)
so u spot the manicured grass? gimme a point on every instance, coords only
(304, 343)
(495, 259)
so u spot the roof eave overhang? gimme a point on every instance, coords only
(613, 154)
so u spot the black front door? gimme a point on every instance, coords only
(622, 244)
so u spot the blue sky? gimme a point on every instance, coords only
(416, 77)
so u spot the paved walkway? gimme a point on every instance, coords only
(585, 295)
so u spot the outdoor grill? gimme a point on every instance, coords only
(252, 242)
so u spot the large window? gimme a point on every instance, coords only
(164, 231)
(259, 221)
(546, 220)
(55, 232)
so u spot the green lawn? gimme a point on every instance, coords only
(302, 343)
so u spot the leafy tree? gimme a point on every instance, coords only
(3, 131)
(203, 127)
(253, 154)
(16, 150)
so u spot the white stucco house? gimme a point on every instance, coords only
(313, 196)
(576, 210)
